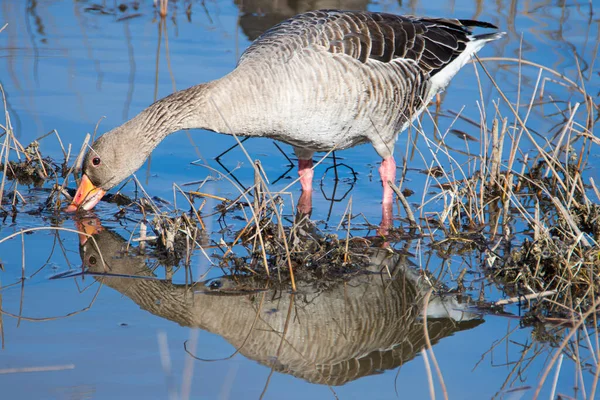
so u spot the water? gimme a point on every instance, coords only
(70, 66)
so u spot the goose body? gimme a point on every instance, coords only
(334, 79)
(320, 81)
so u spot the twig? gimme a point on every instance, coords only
(430, 348)
(37, 369)
(409, 213)
(525, 297)
(348, 230)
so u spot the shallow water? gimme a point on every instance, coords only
(73, 66)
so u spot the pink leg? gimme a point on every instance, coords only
(306, 174)
(305, 204)
(387, 171)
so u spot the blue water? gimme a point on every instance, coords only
(67, 68)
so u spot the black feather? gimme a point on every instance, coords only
(432, 43)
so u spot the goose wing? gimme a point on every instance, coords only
(432, 43)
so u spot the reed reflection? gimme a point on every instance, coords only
(256, 16)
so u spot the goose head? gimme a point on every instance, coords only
(120, 152)
(110, 160)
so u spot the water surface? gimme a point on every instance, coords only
(77, 67)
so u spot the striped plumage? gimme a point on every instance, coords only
(431, 42)
(319, 81)
(328, 79)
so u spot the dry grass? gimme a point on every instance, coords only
(527, 204)
(530, 212)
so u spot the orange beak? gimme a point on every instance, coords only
(87, 195)
(88, 226)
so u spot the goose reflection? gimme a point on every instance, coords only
(326, 333)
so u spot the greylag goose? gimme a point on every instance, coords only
(320, 81)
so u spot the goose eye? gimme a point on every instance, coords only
(92, 260)
(96, 161)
